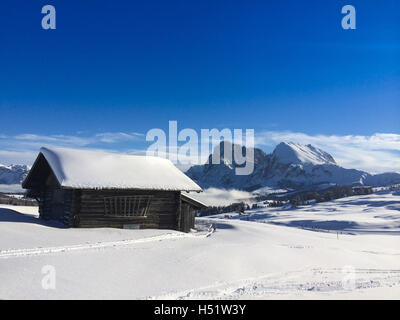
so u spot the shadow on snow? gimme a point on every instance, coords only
(9, 215)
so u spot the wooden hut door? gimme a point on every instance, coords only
(187, 218)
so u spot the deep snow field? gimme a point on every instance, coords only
(344, 249)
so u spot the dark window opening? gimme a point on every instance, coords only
(127, 206)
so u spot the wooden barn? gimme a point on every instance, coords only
(85, 188)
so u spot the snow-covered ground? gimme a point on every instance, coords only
(235, 259)
(375, 213)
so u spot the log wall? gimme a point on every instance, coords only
(188, 216)
(86, 209)
(56, 204)
(162, 213)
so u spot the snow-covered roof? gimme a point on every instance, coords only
(88, 169)
(186, 198)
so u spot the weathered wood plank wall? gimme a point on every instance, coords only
(86, 208)
(188, 216)
(162, 212)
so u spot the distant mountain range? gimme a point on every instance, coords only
(13, 174)
(290, 165)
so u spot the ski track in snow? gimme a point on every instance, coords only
(324, 281)
(16, 253)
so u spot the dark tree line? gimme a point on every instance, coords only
(238, 207)
(306, 197)
(332, 193)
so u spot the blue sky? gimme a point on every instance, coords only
(119, 68)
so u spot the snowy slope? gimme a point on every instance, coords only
(374, 213)
(294, 153)
(290, 165)
(238, 260)
(13, 174)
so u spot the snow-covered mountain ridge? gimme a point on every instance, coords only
(13, 174)
(293, 153)
(290, 165)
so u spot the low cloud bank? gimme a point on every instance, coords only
(11, 188)
(222, 197)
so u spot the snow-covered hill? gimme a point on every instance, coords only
(13, 174)
(290, 165)
(271, 255)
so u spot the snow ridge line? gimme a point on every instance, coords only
(15, 253)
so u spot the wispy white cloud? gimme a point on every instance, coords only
(107, 137)
(17, 157)
(62, 140)
(23, 148)
(112, 137)
(379, 152)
